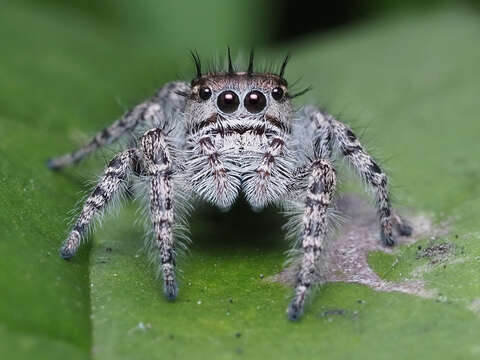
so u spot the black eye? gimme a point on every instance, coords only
(255, 101)
(277, 93)
(228, 101)
(205, 93)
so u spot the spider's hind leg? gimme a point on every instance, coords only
(150, 113)
(123, 126)
(403, 226)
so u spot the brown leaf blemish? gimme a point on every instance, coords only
(356, 237)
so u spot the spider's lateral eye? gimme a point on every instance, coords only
(277, 93)
(255, 101)
(205, 93)
(228, 101)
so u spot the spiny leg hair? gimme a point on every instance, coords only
(155, 163)
(158, 168)
(150, 112)
(320, 191)
(330, 135)
(111, 184)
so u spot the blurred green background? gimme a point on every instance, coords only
(406, 71)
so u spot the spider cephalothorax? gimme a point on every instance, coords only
(223, 134)
(245, 117)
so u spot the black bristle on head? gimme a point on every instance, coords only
(197, 62)
(250, 63)
(231, 70)
(182, 93)
(300, 93)
(284, 64)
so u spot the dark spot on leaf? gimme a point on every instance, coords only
(331, 312)
(436, 252)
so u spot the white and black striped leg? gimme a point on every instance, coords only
(158, 167)
(111, 184)
(371, 173)
(320, 191)
(122, 126)
(150, 113)
(332, 134)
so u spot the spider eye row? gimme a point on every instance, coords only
(228, 101)
(205, 93)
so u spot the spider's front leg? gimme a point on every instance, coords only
(158, 168)
(319, 194)
(112, 183)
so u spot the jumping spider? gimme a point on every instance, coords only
(222, 134)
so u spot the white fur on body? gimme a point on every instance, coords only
(188, 148)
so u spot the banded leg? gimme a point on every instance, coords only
(126, 123)
(158, 167)
(151, 112)
(112, 183)
(320, 191)
(370, 172)
(332, 134)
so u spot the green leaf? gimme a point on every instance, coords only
(65, 72)
(417, 96)
(411, 79)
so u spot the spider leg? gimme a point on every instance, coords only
(342, 139)
(158, 168)
(403, 226)
(112, 183)
(320, 191)
(370, 172)
(150, 112)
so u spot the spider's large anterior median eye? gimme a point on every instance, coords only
(205, 93)
(228, 101)
(255, 101)
(277, 93)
